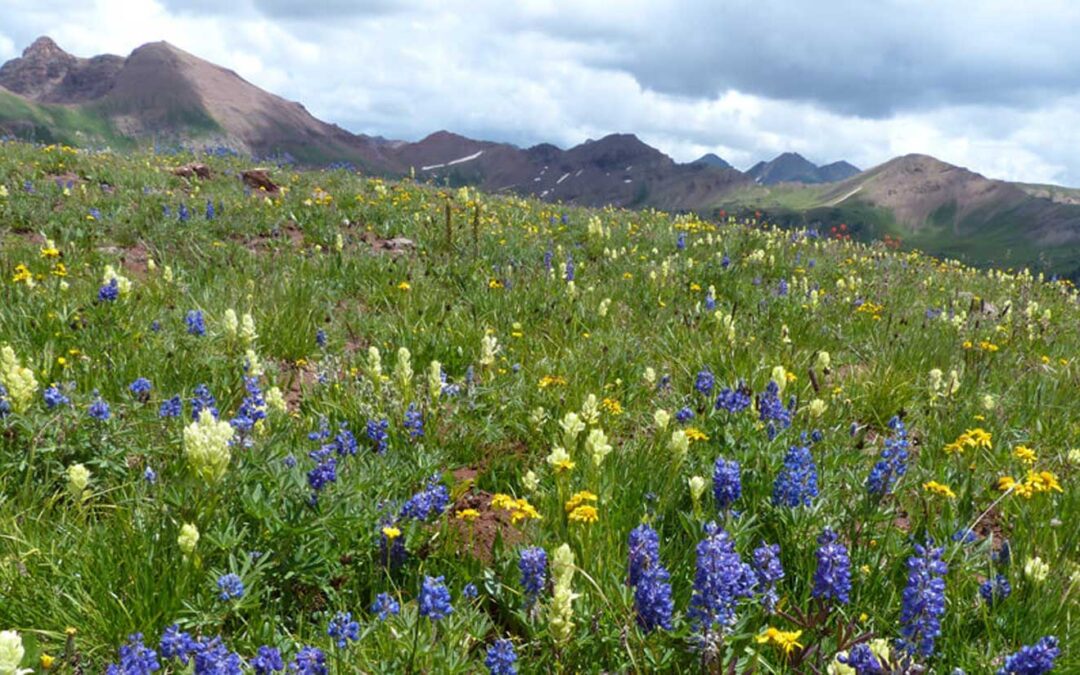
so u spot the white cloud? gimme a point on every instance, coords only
(535, 71)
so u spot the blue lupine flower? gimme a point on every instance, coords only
(320, 337)
(140, 389)
(1032, 659)
(924, 601)
(652, 599)
(135, 658)
(95, 214)
(5, 407)
(196, 325)
(733, 400)
(212, 656)
(324, 473)
(684, 415)
(548, 255)
(252, 408)
(470, 591)
(769, 571)
(209, 210)
(183, 212)
(414, 421)
(1003, 556)
(664, 383)
(377, 434)
(392, 553)
(230, 587)
(862, 660)
(53, 397)
(267, 660)
(727, 483)
(569, 267)
(704, 381)
(203, 400)
(796, 484)
(680, 241)
(725, 262)
(99, 410)
(155, 326)
(832, 578)
(565, 219)
(289, 461)
(428, 502)
(644, 552)
(309, 661)
(343, 629)
(893, 462)
(385, 605)
(500, 658)
(533, 567)
(995, 590)
(782, 288)
(150, 476)
(434, 599)
(176, 644)
(172, 407)
(721, 580)
(710, 302)
(109, 292)
(771, 408)
(965, 536)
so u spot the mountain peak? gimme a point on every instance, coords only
(712, 159)
(44, 48)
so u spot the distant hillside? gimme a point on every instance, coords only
(710, 159)
(791, 167)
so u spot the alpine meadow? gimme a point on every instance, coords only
(316, 421)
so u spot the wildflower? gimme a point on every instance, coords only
(721, 580)
(924, 601)
(78, 478)
(121, 283)
(785, 640)
(571, 425)
(378, 433)
(533, 567)
(796, 484)
(267, 660)
(11, 654)
(530, 481)
(583, 514)
(649, 578)
(704, 381)
(995, 590)
(171, 407)
(679, 444)
(697, 486)
(551, 381)
(414, 421)
(561, 611)
(939, 489)
(109, 292)
(196, 325)
(275, 399)
(429, 502)
(469, 591)
(206, 445)
(309, 661)
(832, 578)
(727, 484)
(434, 599)
(1036, 570)
(694, 434)
(150, 476)
(343, 629)
(54, 397)
(596, 444)
(860, 660)
(489, 347)
(188, 539)
(771, 409)
(230, 587)
(403, 372)
(768, 570)
(590, 410)
(1025, 454)
(99, 410)
(384, 606)
(18, 382)
(817, 407)
(135, 658)
(23, 275)
(560, 460)
(893, 462)
(1032, 659)
(733, 400)
(404, 286)
(661, 418)
(468, 515)
(140, 389)
(500, 658)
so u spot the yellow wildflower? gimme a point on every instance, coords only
(939, 489)
(695, 434)
(785, 640)
(468, 514)
(612, 406)
(391, 532)
(579, 499)
(551, 381)
(404, 286)
(584, 514)
(1025, 454)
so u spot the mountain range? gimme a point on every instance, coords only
(162, 94)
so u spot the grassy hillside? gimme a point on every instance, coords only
(57, 123)
(613, 392)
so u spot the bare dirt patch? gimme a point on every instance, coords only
(477, 538)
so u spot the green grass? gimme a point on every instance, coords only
(108, 563)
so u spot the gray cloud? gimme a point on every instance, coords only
(991, 86)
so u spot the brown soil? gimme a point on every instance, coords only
(477, 538)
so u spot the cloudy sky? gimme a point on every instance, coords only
(992, 85)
